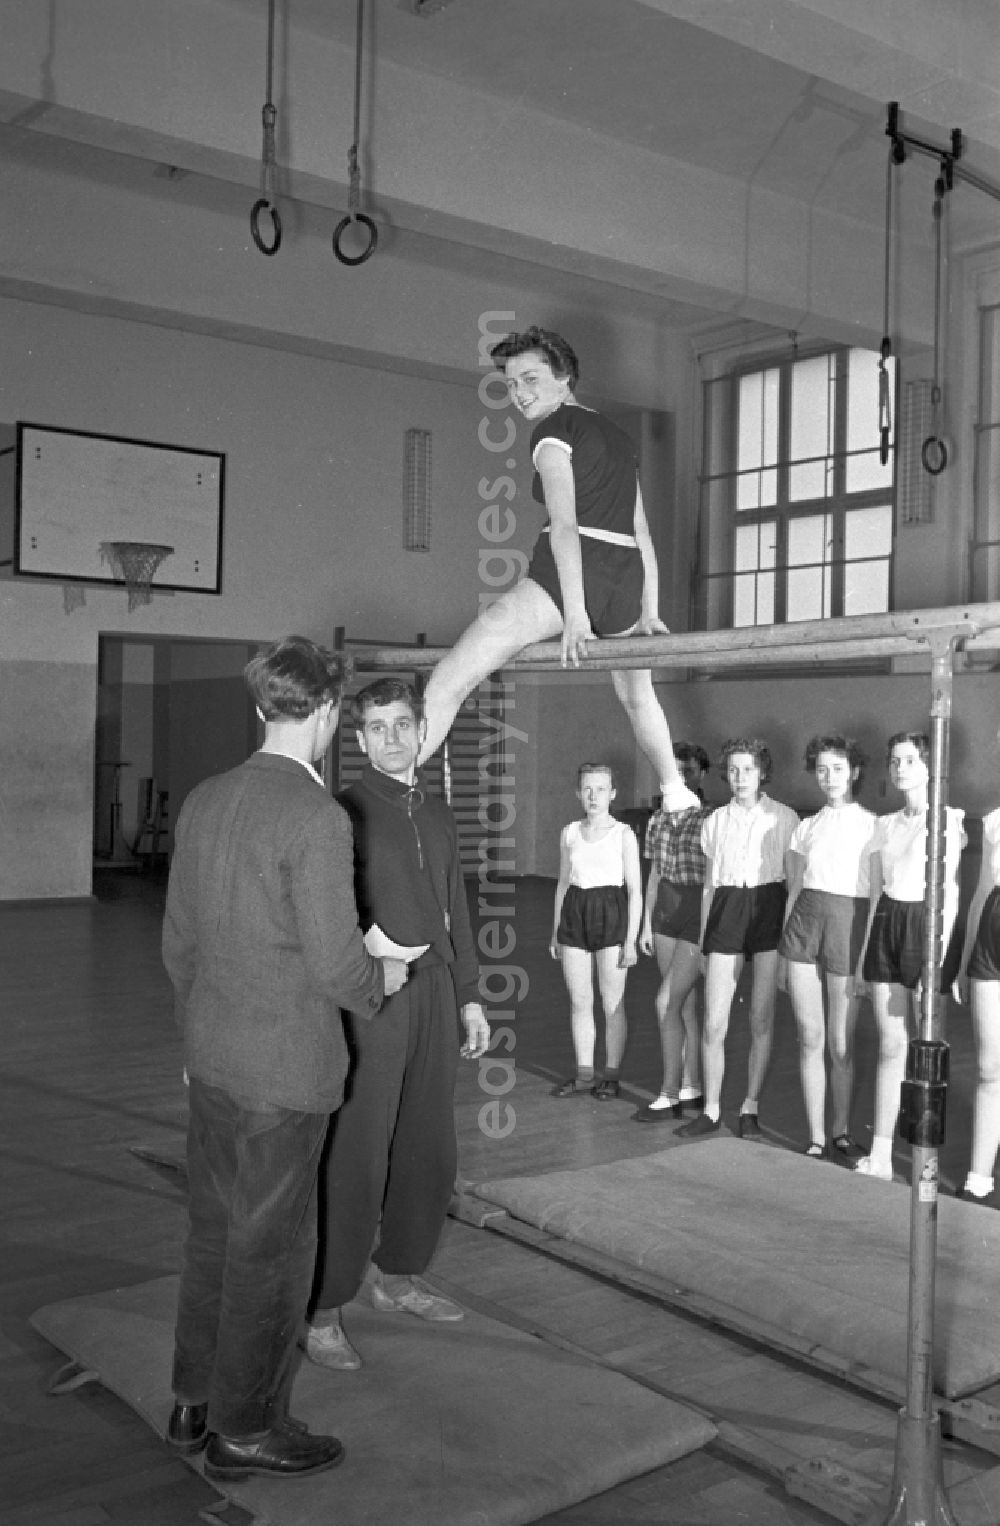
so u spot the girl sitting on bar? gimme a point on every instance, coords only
(593, 571)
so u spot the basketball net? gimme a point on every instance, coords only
(134, 563)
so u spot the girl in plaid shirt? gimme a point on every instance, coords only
(671, 929)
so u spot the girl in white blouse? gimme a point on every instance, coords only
(981, 963)
(894, 956)
(824, 936)
(743, 909)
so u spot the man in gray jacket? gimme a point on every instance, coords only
(262, 944)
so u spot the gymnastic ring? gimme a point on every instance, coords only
(259, 206)
(338, 233)
(934, 455)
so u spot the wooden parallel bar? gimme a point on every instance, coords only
(818, 641)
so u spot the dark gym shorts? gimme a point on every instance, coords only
(826, 929)
(745, 919)
(985, 961)
(895, 952)
(677, 912)
(613, 581)
(593, 919)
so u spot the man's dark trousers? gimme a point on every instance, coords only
(390, 1171)
(251, 1251)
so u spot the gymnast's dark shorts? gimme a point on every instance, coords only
(827, 930)
(745, 919)
(593, 919)
(613, 581)
(677, 912)
(985, 961)
(895, 952)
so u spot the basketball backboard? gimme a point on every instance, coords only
(77, 491)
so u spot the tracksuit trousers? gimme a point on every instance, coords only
(389, 1168)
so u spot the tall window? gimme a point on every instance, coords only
(797, 508)
(986, 480)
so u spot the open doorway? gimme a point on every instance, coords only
(171, 711)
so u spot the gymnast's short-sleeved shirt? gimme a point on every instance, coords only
(836, 845)
(604, 466)
(991, 845)
(747, 846)
(901, 844)
(673, 842)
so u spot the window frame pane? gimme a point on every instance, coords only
(776, 584)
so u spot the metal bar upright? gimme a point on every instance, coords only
(917, 1497)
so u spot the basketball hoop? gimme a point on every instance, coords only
(134, 563)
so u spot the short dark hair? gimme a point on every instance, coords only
(385, 691)
(560, 355)
(844, 747)
(292, 677)
(685, 750)
(920, 740)
(596, 768)
(758, 750)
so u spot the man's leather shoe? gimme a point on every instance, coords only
(285, 1452)
(187, 1428)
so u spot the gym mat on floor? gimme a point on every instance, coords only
(815, 1256)
(470, 1424)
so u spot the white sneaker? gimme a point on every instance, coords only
(414, 1299)
(867, 1167)
(328, 1346)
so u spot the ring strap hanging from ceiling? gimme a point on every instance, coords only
(265, 203)
(884, 390)
(354, 214)
(934, 451)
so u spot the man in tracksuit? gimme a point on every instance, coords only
(392, 1152)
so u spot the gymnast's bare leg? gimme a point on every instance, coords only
(634, 687)
(519, 618)
(523, 615)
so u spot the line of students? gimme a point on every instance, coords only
(831, 904)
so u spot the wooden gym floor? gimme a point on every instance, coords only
(93, 1112)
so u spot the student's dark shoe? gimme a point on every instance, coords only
(989, 1201)
(570, 1088)
(285, 1452)
(699, 1127)
(748, 1127)
(844, 1146)
(815, 1151)
(649, 1114)
(187, 1428)
(693, 1104)
(606, 1090)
